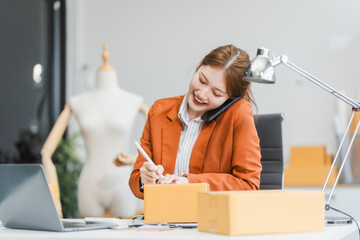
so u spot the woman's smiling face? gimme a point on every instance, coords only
(207, 91)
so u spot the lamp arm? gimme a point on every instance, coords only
(338, 152)
(355, 105)
(284, 60)
(327, 206)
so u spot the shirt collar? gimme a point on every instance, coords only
(183, 113)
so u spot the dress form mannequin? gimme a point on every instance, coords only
(105, 115)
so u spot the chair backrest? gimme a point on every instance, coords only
(268, 127)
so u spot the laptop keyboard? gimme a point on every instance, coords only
(74, 224)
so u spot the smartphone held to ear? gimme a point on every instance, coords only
(213, 114)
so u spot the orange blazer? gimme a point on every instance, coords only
(226, 153)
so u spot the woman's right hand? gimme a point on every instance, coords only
(149, 173)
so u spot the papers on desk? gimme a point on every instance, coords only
(117, 221)
(120, 223)
(152, 228)
(139, 224)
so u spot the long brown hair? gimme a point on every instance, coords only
(233, 61)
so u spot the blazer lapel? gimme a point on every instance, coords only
(170, 138)
(197, 156)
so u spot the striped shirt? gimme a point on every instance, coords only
(190, 130)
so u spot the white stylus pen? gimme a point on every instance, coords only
(142, 151)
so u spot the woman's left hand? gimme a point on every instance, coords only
(168, 179)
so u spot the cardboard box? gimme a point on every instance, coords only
(261, 212)
(355, 121)
(172, 202)
(307, 156)
(328, 159)
(355, 158)
(309, 175)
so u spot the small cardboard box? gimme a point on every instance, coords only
(260, 212)
(307, 156)
(172, 202)
(309, 175)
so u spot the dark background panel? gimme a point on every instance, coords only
(31, 32)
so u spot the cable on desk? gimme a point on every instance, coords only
(337, 210)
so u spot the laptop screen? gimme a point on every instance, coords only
(25, 198)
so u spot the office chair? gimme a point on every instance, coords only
(268, 127)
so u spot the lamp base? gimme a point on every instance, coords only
(338, 220)
(331, 220)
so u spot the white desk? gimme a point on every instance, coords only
(348, 232)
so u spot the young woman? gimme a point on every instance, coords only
(224, 152)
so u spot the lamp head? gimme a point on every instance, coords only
(260, 69)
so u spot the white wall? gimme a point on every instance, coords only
(156, 45)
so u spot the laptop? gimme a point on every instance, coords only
(27, 203)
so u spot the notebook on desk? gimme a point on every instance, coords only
(26, 201)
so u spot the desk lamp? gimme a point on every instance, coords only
(261, 70)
